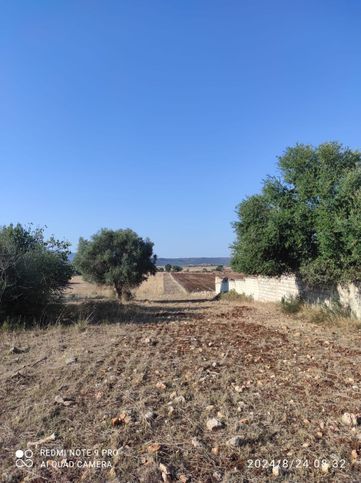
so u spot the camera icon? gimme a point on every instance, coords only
(24, 458)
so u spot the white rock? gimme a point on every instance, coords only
(214, 423)
(196, 443)
(163, 468)
(349, 419)
(234, 442)
(276, 470)
(325, 467)
(150, 415)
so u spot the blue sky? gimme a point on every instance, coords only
(161, 116)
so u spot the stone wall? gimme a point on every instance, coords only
(273, 289)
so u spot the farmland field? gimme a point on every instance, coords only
(147, 387)
(196, 282)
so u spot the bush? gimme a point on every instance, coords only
(291, 305)
(219, 268)
(168, 267)
(33, 271)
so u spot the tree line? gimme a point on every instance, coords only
(35, 271)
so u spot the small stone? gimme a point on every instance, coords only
(66, 401)
(214, 424)
(234, 442)
(164, 469)
(325, 467)
(209, 407)
(179, 400)
(71, 360)
(354, 455)
(153, 448)
(18, 350)
(349, 419)
(184, 479)
(276, 470)
(160, 385)
(243, 421)
(150, 415)
(197, 444)
(215, 450)
(217, 476)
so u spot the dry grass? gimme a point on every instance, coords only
(277, 381)
(80, 289)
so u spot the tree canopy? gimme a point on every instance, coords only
(33, 271)
(306, 221)
(118, 258)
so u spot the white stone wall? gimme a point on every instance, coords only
(272, 289)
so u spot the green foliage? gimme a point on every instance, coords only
(219, 268)
(33, 271)
(308, 221)
(176, 268)
(118, 258)
(291, 305)
(168, 267)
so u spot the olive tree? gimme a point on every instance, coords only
(117, 258)
(307, 221)
(33, 271)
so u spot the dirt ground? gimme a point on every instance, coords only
(140, 396)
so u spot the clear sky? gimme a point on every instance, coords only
(162, 115)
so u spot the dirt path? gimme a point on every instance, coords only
(171, 286)
(280, 385)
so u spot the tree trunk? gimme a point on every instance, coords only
(118, 290)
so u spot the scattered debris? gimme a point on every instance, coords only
(52, 437)
(179, 400)
(71, 360)
(154, 448)
(18, 350)
(65, 401)
(197, 444)
(150, 415)
(123, 418)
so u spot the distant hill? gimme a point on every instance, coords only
(186, 262)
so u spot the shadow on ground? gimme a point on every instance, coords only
(100, 311)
